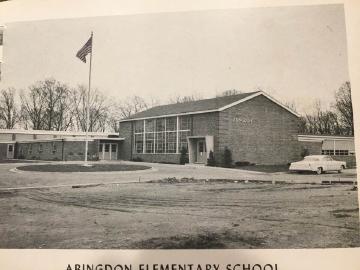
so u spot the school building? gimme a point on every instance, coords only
(255, 127)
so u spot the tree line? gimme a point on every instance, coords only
(53, 105)
(336, 120)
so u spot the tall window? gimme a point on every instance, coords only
(160, 142)
(184, 131)
(161, 135)
(150, 142)
(171, 142)
(138, 136)
(139, 143)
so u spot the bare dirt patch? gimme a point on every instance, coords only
(181, 215)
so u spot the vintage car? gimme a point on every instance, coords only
(318, 164)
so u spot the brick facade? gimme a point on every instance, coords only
(313, 148)
(259, 131)
(3, 150)
(57, 150)
(125, 148)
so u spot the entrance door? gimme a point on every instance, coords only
(113, 153)
(10, 151)
(108, 151)
(201, 154)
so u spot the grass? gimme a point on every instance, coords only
(17, 161)
(80, 168)
(265, 168)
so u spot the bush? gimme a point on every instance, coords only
(211, 159)
(305, 152)
(137, 159)
(244, 163)
(183, 156)
(227, 158)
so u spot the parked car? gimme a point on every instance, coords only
(318, 164)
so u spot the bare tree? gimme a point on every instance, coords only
(230, 92)
(184, 99)
(98, 109)
(47, 105)
(344, 108)
(322, 121)
(9, 112)
(33, 107)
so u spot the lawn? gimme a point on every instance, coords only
(81, 168)
(168, 215)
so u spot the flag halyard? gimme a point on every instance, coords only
(85, 50)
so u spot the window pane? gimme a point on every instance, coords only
(100, 147)
(139, 126)
(139, 143)
(149, 142)
(107, 148)
(183, 139)
(171, 124)
(160, 124)
(113, 148)
(150, 125)
(171, 142)
(160, 142)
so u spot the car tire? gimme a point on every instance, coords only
(342, 167)
(319, 170)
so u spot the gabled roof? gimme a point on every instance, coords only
(201, 106)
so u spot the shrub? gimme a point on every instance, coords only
(227, 158)
(305, 152)
(211, 159)
(244, 163)
(137, 159)
(183, 156)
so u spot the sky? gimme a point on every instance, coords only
(296, 54)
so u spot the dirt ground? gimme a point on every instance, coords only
(181, 215)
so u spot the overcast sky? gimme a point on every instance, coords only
(297, 54)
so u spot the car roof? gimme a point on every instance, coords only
(318, 156)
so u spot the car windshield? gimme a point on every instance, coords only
(311, 159)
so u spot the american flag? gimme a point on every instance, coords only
(85, 50)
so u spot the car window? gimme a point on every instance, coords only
(311, 159)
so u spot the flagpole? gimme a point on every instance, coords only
(87, 106)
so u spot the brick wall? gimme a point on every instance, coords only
(314, 148)
(259, 131)
(3, 150)
(125, 148)
(67, 150)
